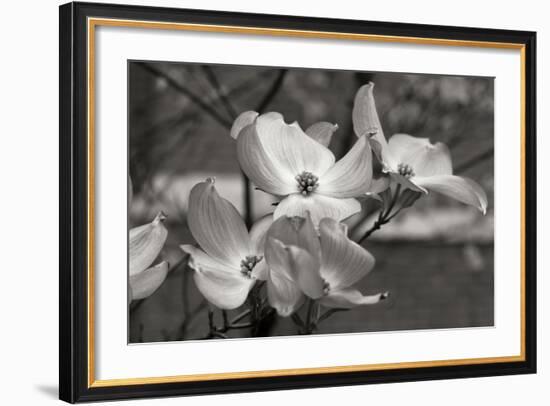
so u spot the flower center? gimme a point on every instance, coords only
(307, 182)
(326, 288)
(405, 170)
(372, 131)
(248, 264)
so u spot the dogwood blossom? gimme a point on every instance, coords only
(283, 160)
(413, 162)
(230, 258)
(323, 266)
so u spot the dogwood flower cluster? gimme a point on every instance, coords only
(414, 163)
(301, 252)
(295, 259)
(322, 265)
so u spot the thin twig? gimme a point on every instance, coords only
(247, 201)
(474, 161)
(309, 325)
(277, 83)
(188, 93)
(218, 334)
(246, 84)
(213, 79)
(225, 320)
(180, 262)
(298, 320)
(377, 225)
(329, 313)
(239, 325)
(384, 217)
(240, 316)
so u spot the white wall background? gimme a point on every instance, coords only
(29, 203)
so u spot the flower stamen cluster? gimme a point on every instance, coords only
(405, 170)
(307, 182)
(326, 288)
(248, 264)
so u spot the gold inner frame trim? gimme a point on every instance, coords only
(94, 22)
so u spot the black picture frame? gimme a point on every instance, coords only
(74, 385)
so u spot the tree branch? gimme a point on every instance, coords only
(474, 161)
(213, 79)
(277, 83)
(187, 93)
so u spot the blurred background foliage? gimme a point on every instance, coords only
(435, 258)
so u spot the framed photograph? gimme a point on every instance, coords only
(258, 202)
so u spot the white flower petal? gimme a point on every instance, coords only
(299, 232)
(351, 176)
(216, 225)
(364, 114)
(266, 174)
(260, 270)
(200, 260)
(402, 145)
(283, 290)
(379, 185)
(408, 183)
(283, 294)
(277, 258)
(425, 158)
(322, 132)
(258, 234)
(223, 290)
(344, 262)
(241, 122)
(348, 298)
(221, 285)
(145, 283)
(289, 147)
(146, 242)
(366, 121)
(462, 189)
(294, 264)
(318, 206)
(408, 198)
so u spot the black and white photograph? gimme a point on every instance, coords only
(273, 201)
